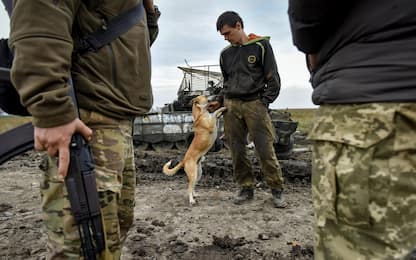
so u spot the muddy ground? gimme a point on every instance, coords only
(165, 226)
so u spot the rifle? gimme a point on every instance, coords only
(83, 194)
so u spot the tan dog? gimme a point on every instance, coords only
(205, 134)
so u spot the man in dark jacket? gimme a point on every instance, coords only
(112, 85)
(362, 58)
(251, 83)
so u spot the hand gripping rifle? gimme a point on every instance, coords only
(80, 181)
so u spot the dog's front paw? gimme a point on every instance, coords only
(192, 202)
(220, 111)
(250, 145)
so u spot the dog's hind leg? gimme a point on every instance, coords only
(200, 168)
(192, 172)
(199, 174)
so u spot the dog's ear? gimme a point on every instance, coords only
(196, 100)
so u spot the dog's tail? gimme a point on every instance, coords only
(172, 171)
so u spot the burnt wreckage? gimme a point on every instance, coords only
(171, 127)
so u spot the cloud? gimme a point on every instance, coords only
(4, 21)
(294, 97)
(187, 31)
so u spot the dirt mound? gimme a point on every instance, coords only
(166, 227)
(217, 167)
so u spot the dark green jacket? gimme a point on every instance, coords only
(250, 71)
(114, 81)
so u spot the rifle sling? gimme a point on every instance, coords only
(112, 30)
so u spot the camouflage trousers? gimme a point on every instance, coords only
(113, 154)
(251, 117)
(364, 181)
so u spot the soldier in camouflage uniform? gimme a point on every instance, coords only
(362, 61)
(112, 86)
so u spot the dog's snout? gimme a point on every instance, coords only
(192, 102)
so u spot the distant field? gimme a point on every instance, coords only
(304, 117)
(9, 122)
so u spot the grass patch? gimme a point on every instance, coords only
(304, 117)
(9, 122)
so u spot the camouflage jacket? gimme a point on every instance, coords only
(114, 81)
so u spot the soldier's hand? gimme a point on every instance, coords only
(212, 106)
(149, 6)
(56, 140)
(312, 61)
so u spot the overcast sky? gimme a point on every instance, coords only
(188, 32)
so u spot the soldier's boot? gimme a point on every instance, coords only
(245, 195)
(278, 200)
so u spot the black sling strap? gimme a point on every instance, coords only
(113, 29)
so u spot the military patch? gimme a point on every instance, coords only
(251, 59)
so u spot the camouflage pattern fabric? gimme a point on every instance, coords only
(364, 181)
(115, 175)
(252, 117)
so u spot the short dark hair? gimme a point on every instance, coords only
(229, 18)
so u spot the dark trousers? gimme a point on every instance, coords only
(251, 117)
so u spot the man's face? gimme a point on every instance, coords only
(232, 34)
